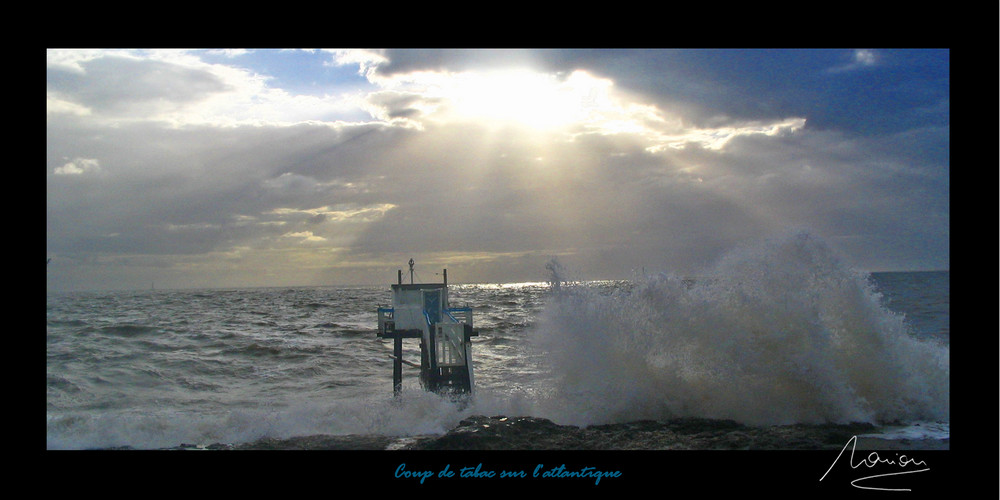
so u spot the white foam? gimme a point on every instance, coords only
(776, 333)
(916, 431)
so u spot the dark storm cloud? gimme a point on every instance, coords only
(891, 91)
(391, 105)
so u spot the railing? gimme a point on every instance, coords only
(450, 345)
(456, 314)
(465, 312)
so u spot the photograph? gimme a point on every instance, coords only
(503, 268)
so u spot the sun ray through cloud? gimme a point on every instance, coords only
(622, 158)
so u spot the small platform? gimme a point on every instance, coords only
(421, 311)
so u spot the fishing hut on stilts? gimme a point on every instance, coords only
(421, 311)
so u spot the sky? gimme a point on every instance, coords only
(241, 168)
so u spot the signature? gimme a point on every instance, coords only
(873, 459)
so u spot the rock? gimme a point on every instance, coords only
(531, 433)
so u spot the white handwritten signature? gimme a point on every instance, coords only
(873, 459)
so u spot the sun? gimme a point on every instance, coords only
(527, 98)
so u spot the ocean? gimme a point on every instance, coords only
(781, 334)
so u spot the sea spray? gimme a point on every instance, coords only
(415, 412)
(557, 273)
(778, 332)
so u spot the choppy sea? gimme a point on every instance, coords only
(772, 335)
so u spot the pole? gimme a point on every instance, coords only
(445, 272)
(397, 366)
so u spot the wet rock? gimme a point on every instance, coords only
(504, 433)
(321, 442)
(530, 433)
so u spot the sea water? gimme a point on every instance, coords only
(774, 333)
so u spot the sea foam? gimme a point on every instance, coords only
(777, 332)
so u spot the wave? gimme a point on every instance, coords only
(780, 332)
(257, 350)
(415, 413)
(128, 330)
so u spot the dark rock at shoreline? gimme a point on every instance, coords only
(530, 433)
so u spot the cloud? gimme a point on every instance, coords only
(306, 236)
(78, 166)
(861, 58)
(865, 57)
(180, 89)
(54, 105)
(486, 162)
(126, 86)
